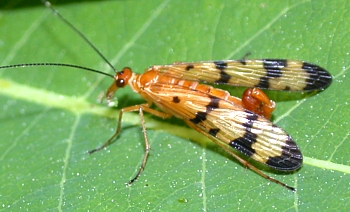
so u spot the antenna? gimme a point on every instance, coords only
(56, 64)
(48, 4)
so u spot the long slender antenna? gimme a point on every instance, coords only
(55, 64)
(48, 4)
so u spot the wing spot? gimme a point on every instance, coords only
(213, 104)
(189, 67)
(221, 65)
(318, 78)
(290, 158)
(244, 143)
(214, 131)
(224, 77)
(176, 99)
(200, 117)
(273, 70)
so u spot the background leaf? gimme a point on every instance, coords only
(50, 118)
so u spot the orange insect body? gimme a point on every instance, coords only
(140, 83)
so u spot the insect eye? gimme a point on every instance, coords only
(120, 83)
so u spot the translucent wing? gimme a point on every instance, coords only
(230, 124)
(274, 74)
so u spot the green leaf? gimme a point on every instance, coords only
(50, 117)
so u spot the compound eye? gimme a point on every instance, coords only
(120, 83)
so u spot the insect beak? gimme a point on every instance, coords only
(111, 100)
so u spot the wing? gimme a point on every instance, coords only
(230, 124)
(274, 74)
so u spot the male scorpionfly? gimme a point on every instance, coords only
(230, 122)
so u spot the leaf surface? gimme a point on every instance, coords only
(49, 116)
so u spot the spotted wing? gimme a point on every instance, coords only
(274, 74)
(229, 124)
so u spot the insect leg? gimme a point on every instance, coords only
(145, 107)
(246, 55)
(241, 160)
(140, 109)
